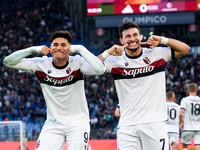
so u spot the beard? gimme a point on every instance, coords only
(133, 50)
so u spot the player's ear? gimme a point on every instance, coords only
(121, 41)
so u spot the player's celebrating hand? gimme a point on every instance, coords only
(153, 41)
(45, 50)
(116, 49)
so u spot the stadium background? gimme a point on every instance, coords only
(25, 23)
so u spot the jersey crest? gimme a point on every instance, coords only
(146, 60)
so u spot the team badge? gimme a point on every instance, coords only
(68, 70)
(146, 60)
(37, 144)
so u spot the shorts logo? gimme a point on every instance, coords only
(37, 144)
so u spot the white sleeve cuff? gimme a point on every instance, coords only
(164, 40)
(105, 54)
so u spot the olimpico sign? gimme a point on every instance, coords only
(153, 19)
(147, 19)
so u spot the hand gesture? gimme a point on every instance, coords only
(45, 50)
(116, 50)
(66, 49)
(153, 41)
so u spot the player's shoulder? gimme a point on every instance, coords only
(198, 97)
(74, 57)
(146, 50)
(176, 105)
(154, 50)
(185, 99)
(42, 59)
(173, 104)
(113, 58)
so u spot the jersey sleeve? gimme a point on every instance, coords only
(109, 63)
(166, 52)
(89, 63)
(18, 61)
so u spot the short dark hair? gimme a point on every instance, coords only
(127, 25)
(61, 34)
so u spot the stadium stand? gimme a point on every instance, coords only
(30, 22)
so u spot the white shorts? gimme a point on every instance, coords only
(186, 137)
(54, 135)
(173, 138)
(149, 136)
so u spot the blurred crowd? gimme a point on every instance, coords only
(30, 22)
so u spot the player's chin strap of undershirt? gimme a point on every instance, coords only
(94, 62)
(17, 56)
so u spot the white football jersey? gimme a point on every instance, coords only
(63, 87)
(191, 104)
(173, 110)
(140, 85)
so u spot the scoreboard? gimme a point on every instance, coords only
(119, 7)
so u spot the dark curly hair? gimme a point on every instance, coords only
(127, 25)
(61, 34)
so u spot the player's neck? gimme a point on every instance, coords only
(133, 53)
(193, 94)
(170, 100)
(60, 62)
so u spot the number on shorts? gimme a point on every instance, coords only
(163, 146)
(86, 137)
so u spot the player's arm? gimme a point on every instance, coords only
(92, 60)
(179, 47)
(114, 50)
(181, 118)
(117, 112)
(14, 60)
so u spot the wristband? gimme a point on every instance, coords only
(105, 54)
(164, 40)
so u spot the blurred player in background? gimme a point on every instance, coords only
(173, 110)
(62, 83)
(139, 75)
(190, 110)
